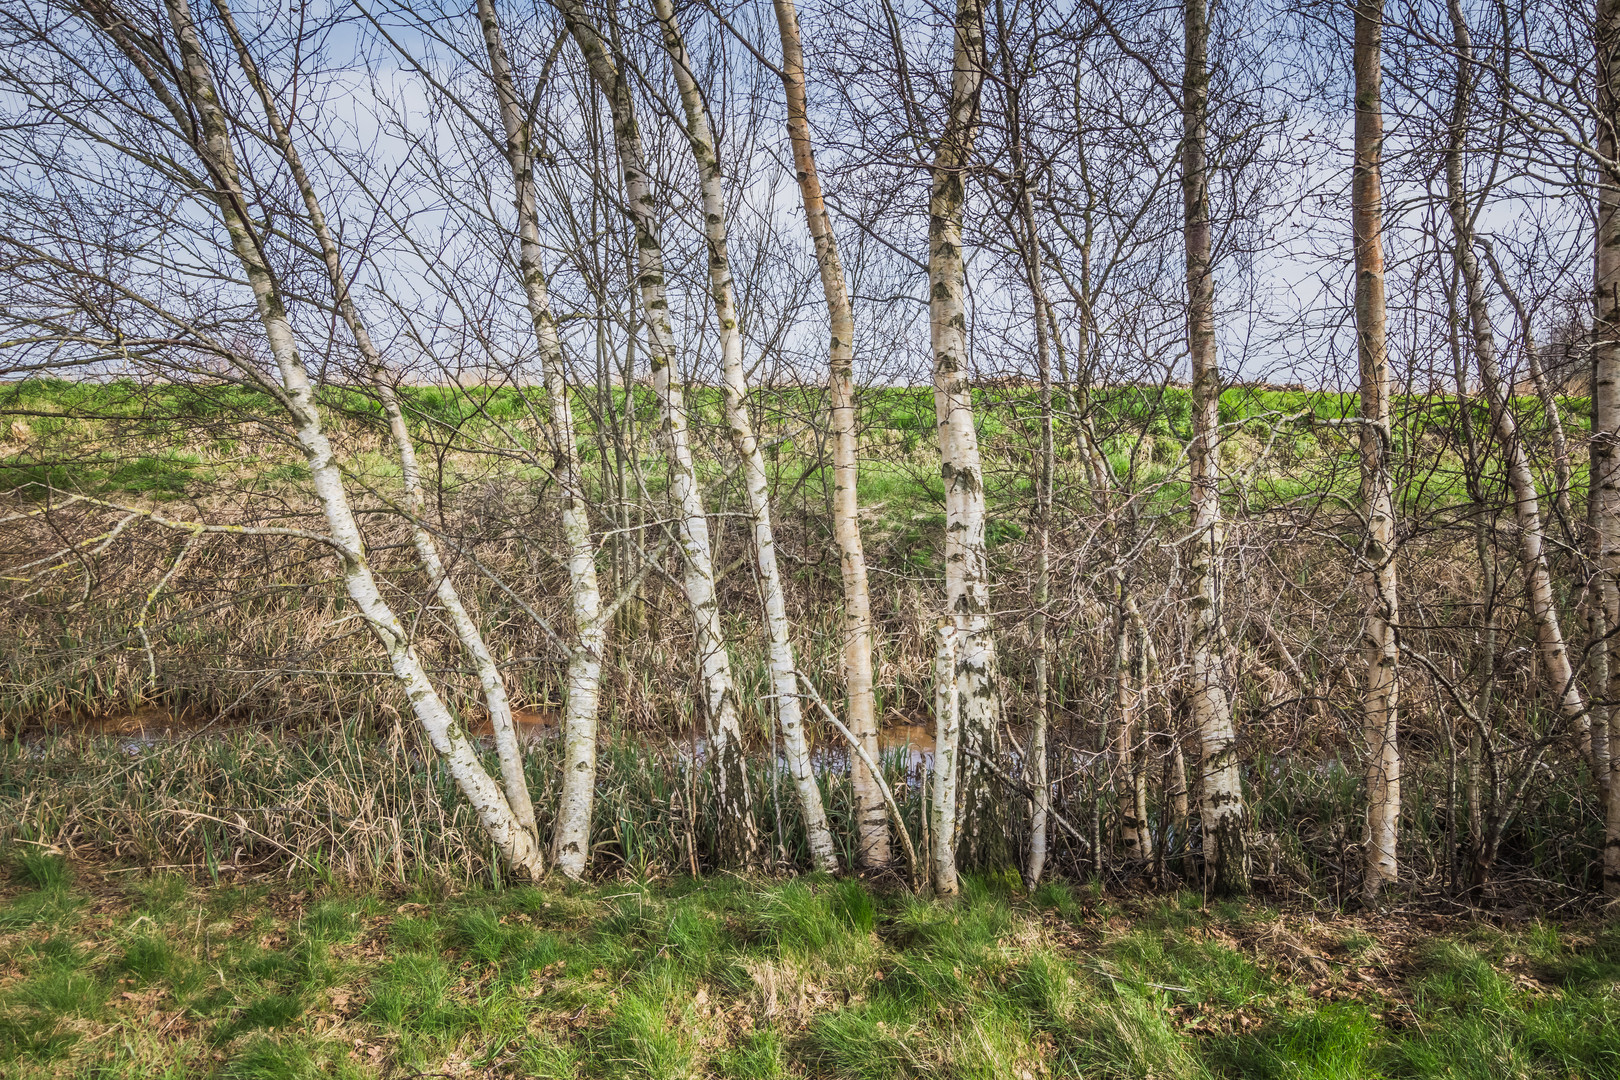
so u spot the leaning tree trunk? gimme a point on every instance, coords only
(967, 572)
(1377, 499)
(571, 838)
(212, 143)
(1544, 392)
(1605, 465)
(784, 680)
(1222, 815)
(1555, 664)
(493, 685)
(871, 821)
(739, 835)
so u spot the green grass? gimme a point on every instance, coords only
(171, 441)
(105, 976)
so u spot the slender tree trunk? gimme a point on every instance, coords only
(1555, 666)
(1479, 809)
(1595, 725)
(967, 571)
(515, 843)
(1380, 611)
(871, 822)
(1176, 798)
(739, 835)
(1029, 244)
(571, 839)
(1222, 813)
(1485, 654)
(1036, 766)
(784, 680)
(1605, 445)
(1130, 797)
(1544, 392)
(947, 748)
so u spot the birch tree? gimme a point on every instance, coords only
(1223, 817)
(942, 816)
(1605, 445)
(571, 838)
(1376, 558)
(1555, 664)
(967, 570)
(1026, 239)
(514, 782)
(871, 822)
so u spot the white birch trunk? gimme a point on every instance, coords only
(1222, 814)
(784, 682)
(508, 749)
(967, 572)
(515, 843)
(572, 834)
(1544, 392)
(1036, 766)
(1605, 444)
(873, 838)
(947, 748)
(1130, 796)
(739, 835)
(1380, 647)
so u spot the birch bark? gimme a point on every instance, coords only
(1130, 796)
(873, 840)
(739, 843)
(1380, 610)
(1029, 243)
(1605, 445)
(1544, 392)
(513, 781)
(947, 749)
(967, 575)
(784, 682)
(1223, 816)
(570, 844)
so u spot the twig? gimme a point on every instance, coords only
(996, 771)
(877, 774)
(244, 828)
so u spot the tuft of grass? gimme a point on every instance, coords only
(1337, 1042)
(40, 869)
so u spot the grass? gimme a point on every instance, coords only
(176, 459)
(109, 974)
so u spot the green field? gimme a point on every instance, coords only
(174, 441)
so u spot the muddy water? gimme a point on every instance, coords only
(534, 726)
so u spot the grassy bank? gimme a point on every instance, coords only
(113, 974)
